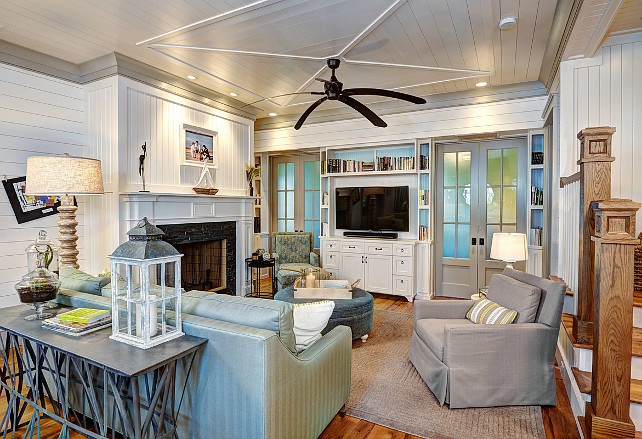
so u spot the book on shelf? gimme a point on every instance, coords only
(75, 329)
(424, 197)
(325, 229)
(536, 236)
(424, 162)
(424, 233)
(257, 224)
(537, 196)
(84, 316)
(395, 163)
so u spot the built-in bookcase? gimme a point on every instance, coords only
(423, 190)
(536, 202)
(369, 161)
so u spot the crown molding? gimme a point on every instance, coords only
(114, 64)
(483, 95)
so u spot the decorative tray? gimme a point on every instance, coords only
(328, 289)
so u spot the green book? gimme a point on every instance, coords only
(84, 315)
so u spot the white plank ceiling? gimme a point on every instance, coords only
(462, 35)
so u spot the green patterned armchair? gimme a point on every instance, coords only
(292, 253)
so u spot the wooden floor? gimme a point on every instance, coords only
(558, 421)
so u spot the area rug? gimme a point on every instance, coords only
(387, 390)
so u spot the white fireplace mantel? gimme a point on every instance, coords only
(168, 208)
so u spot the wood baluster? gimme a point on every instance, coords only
(595, 185)
(607, 414)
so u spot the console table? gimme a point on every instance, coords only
(98, 385)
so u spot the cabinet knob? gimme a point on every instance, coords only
(402, 262)
(378, 248)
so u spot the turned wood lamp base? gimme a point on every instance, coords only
(68, 249)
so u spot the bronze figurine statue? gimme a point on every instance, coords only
(141, 164)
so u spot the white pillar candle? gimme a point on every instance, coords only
(309, 280)
(153, 319)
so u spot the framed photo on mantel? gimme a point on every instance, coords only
(198, 146)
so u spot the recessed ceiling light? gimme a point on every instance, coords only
(481, 84)
(507, 23)
(233, 94)
(272, 114)
(191, 77)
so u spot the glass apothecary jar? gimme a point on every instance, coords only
(37, 288)
(43, 245)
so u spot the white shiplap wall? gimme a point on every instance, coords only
(155, 117)
(39, 115)
(600, 91)
(517, 114)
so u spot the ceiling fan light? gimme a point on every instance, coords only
(191, 77)
(507, 23)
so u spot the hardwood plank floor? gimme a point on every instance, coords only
(559, 422)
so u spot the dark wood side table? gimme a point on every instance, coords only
(112, 385)
(254, 268)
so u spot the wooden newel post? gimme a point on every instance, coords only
(595, 184)
(607, 414)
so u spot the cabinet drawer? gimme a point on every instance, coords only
(402, 285)
(403, 250)
(334, 273)
(379, 249)
(331, 246)
(402, 266)
(330, 260)
(352, 247)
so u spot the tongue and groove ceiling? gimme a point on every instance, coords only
(273, 47)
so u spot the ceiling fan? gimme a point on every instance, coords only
(334, 91)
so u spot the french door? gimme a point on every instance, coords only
(295, 194)
(481, 190)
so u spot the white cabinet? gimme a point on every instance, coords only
(378, 274)
(384, 266)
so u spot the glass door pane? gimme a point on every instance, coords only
(312, 199)
(285, 205)
(501, 193)
(456, 205)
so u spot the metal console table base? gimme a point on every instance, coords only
(85, 396)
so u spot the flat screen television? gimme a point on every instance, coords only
(384, 208)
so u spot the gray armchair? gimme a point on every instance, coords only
(474, 365)
(293, 252)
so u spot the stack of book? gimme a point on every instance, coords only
(537, 196)
(395, 163)
(79, 321)
(536, 236)
(424, 162)
(424, 233)
(424, 197)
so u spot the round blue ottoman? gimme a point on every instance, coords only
(356, 313)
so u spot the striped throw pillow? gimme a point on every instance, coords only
(487, 312)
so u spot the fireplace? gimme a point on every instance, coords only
(209, 254)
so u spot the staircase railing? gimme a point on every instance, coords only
(569, 205)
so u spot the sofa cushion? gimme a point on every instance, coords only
(516, 295)
(293, 248)
(431, 331)
(74, 279)
(250, 311)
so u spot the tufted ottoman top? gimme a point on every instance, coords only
(361, 302)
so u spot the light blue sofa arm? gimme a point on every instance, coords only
(304, 393)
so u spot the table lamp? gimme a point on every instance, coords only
(65, 176)
(509, 247)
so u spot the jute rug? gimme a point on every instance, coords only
(387, 390)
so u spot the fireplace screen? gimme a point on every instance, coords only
(203, 265)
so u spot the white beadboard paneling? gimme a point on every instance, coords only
(156, 118)
(500, 116)
(39, 115)
(606, 90)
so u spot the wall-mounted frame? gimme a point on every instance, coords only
(25, 207)
(198, 145)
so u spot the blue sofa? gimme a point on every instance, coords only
(248, 382)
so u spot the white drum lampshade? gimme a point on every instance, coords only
(509, 247)
(65, 176)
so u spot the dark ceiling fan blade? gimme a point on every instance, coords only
(310, 109)
(365, 111)
(386, 93)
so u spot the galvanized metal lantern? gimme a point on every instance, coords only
(146, 306)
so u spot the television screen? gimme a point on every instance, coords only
(372, 208)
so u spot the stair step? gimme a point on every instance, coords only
(637, 298)
(580, 420)
(583, 380)
(567, 321)
(569, 292)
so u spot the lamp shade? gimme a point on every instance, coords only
(63, 175)
(509, 247)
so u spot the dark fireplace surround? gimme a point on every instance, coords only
(181, 235)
